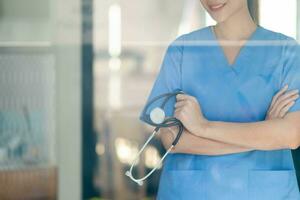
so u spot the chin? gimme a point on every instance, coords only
(219, 18)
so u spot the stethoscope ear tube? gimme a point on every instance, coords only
(167, 97)
(175, 122)
(141, 180)
(180, 126)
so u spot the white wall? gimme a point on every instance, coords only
(279, 15)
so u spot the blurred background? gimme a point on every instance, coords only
(74, 76)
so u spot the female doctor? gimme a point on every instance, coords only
(240, 110)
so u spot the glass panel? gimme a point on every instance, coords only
(27, 111)
(27, 101)
(130, 42)
(129, 45)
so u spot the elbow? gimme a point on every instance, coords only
(294, 139)
(293, 130)
(293, 145)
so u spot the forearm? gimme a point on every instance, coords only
(265, 135)
(192, 144)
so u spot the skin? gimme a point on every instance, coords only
(193, 144)
(205, 137)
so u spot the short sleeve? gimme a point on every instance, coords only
(291, 68)
(168, 78)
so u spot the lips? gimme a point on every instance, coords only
(216, 7)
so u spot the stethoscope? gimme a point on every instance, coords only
(157, 119)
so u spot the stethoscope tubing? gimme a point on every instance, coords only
(140, 180)
(170, 122)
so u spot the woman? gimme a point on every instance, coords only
(238, 128)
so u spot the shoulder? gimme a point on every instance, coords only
(290, 46)
(287, 45)
(199, 34)
(196, 35)
(277, 36)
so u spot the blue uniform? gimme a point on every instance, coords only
(241, 92)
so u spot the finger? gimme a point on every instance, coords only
(287, 101)
(284, 110)
(180, 104)
(282, 91)
(180, 110)
(177, 112)
(284, 97)
(180, 107)
(181, 97)
(192, 98)
(270, 114)
(287, 95)
(284, 103)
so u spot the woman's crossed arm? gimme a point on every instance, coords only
(279, 131)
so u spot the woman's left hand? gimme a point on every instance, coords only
(188, 111)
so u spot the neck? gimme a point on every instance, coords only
(237, 27)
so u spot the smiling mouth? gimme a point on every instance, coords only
(216, 7)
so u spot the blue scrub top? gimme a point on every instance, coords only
(241, 92)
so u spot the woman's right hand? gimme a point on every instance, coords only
(281, 103)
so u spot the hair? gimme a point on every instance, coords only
(253, 9)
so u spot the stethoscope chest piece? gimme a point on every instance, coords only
(157, 115)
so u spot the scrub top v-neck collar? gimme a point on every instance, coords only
(244, 49)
